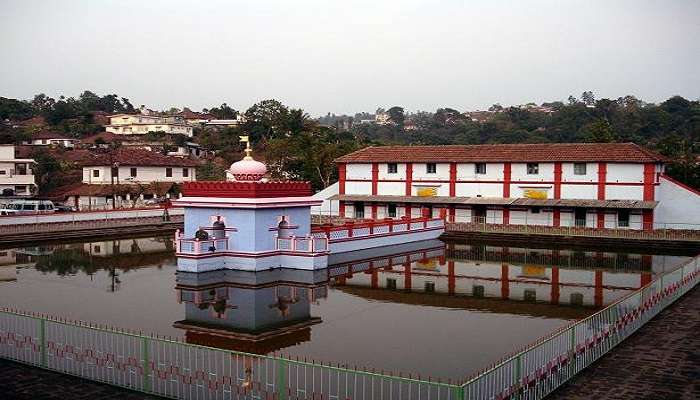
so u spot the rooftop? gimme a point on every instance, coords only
(578, 152)
(138, 157)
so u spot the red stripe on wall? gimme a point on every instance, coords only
(375, 177)
(602, 174)
(453, 179)
(557, 180)
(506, 216)
(341, 178)
(600, 220)
(556, 217)
(506, 179)
(649, 172)
(409, 178)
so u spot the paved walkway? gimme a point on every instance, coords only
(18, 381)
(660, 361)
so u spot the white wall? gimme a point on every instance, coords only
(358, 171)
(625, 173)
(678, 206)
(328, 207)
(143, 175)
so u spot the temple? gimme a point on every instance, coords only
(252, 224)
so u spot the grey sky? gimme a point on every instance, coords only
(349, 56)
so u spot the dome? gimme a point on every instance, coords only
(248, 170)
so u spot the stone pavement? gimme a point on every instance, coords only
(661, 361)
(19, 381)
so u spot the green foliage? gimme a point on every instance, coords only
(210, 171)
(13, 109)
(46, 170)
(223, 112)
(268, 119)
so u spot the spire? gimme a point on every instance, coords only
(248, 150)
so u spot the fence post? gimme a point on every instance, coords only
(282, 378)
(146, 365)
(458, 392)
(42, 338)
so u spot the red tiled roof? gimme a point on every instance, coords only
(49, 135)
(138, 157)
(86, 189)
(584, 152)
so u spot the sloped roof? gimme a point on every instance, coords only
(579, 152)
(138, 157)
(50, 135)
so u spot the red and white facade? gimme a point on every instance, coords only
(611, 185)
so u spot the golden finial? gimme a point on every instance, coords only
(248, 150)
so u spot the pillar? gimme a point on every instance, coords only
(505, 284)
(602, 177)
(598, 299)
(506, 179)
(555, 285)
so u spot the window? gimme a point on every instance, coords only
(576, 299)
(480, 168)
(535, 210)
(623, 219)
(169, 172)
(97, 248)
(530, 295)
(579, 168)
(185, 172)
(2, 172)
(392, 168)
(359, 210)
(391, 283)
(430, 168)
(391, 210)
(478, 291)
(28, 207)
(96, 173)
(133, 172)
(533, 168)
(42, 207)
(430, 287)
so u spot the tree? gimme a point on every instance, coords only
(599, 131)
(14, 109)
(210, 171)
(588, 98)
(223, 112)
(396, 115)
(46, 170)
(266, 120)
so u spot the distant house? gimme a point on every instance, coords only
(225, 123)
(189, 149)
(192, 117)
(140, 124)
(16, 176)
(46, 138)
(127, 176)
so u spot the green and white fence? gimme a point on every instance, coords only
(175, 369)
(180, 370)
(545, 365)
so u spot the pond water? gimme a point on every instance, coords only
(429, 309)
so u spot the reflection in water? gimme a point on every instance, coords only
(112, 256)
(428, 308)
(257, 313)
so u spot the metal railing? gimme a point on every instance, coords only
(540, 368)
(175, 369)
(660, 231)
(365, 228)
(305, 244)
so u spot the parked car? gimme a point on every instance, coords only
(64, 208)
(27, 206)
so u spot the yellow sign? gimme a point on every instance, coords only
(427, 264)
(535, 194)
(533, 270)
(426, 191)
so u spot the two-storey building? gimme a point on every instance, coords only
(140, 124)
(599, 185)
(16, 177)
(128, 176)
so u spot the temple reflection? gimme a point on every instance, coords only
(254, 312)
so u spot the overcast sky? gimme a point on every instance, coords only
(350, 56)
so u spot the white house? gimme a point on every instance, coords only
(126, 177)
(140, 124)
(16, 177)
(598, 185)
(51, 139)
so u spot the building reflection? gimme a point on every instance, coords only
(268, 311)
(253, 312)
(113, 256)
